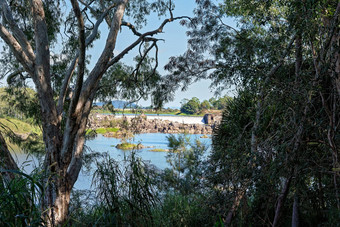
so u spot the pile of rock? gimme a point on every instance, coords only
(140, 124)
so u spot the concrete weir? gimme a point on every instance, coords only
(178, 119)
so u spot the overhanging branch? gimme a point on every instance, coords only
(147, 36)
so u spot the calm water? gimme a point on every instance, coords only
(107, 144)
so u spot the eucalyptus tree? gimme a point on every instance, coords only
(66, 86)
(281, 132)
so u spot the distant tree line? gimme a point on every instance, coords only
(194, 106)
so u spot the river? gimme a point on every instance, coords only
(107, 144)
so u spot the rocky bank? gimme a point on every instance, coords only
(141, 124)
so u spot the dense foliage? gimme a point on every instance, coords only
(275, 154)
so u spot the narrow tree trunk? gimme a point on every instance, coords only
(281, 201)
(295, 214)
(236, 203)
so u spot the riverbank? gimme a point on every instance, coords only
(154, 124)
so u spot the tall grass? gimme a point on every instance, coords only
(20, 200)
(125, 194)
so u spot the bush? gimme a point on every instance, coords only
(20, 200)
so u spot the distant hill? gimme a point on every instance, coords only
(118, 104)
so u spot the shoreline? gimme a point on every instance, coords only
(153, 124)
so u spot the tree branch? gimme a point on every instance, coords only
(82, 51)
(88, 89)
(334, 24)
(64, 86)
(70, 71)
(101, 65)
(12, 75)
(259, 104)
(17, 32)
(41, 42)
(88, 5)
(18, 52)
(142, 37)
(143, 56)
(70, 124)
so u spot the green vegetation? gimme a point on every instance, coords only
(19, 126)
(105, 130)
(129, 146)
(20, 103)
(20, 200)
(195, 107)
(159, 150)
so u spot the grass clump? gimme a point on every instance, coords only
(18, 126)
(129, 146)
(159, 150)
(101, 130)
(105, 130)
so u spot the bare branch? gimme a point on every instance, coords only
(14, 74)
(94, 32)
(143, 56)
(228, 26)
(144, 36)
(88, 6)
(132, 28)
(156, 59)
(170, 10)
